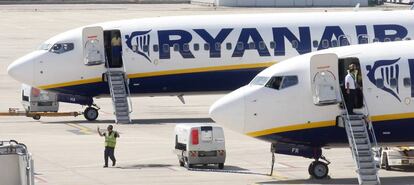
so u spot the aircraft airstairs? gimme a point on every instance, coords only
(361, 146)
(119, 89)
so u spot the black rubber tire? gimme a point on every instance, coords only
(91, 114)
(310, 169)
(36, 117)
(221, 166)
(181, 163)
(319, 170)
(190, 165)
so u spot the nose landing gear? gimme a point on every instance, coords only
(91, 112)
(318, 169)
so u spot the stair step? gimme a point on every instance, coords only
(120, 95)
(365, 158)
(114, 82)
(122, 114)
(363, 147)
(361, 141)
(357, 123)
(373, 182)
(367, 165)
(369, 177)
(121, 104)
(367, 171)
(121, 109)
(358, 129)
(360, 135)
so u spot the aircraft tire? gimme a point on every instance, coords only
(318, 169)
(91, 114)
(36, 117)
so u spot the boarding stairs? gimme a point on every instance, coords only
(361, 146)
(120, 94)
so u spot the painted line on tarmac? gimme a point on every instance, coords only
(82, 130)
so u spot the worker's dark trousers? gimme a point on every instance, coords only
(109, 152)
(350, 101)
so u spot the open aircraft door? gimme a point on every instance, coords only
(93, 46)
(324, 79)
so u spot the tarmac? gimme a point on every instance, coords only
(68, 150)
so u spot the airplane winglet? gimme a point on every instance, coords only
(356, 8)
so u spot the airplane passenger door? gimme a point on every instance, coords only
(324, 79)
(93, 46)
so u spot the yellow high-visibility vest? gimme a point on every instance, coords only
(110, 140)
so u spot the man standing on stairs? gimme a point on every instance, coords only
(350, 88)
(110, 143)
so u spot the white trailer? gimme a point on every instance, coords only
(16, 164)
(200, 144)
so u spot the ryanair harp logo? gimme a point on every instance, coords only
(139, 42)
(385, 75)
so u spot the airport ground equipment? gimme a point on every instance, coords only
(38, 115)
(396, 157)
(36, 100)
(119, 89)
(16, 164)
(200, 144)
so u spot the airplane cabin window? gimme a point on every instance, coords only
(334, 43)
(252, 45)
(240, 46)
(387, 39)
(206, 46)
(398, 39)
(155, 48)
(272, 44)
(379, 83)
(407, 82)
(145, 48)
(228, 46)
(196, 47)
(375, 40)
(217, 46)
(393, 83)
(325, 43)
(59, 48)
(315, 44)
(166, 47)
(176, 47)
(186, 47)
(262, 45)
(344, 41)
(289, 81)
(294, 43)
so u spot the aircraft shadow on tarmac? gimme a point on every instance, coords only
(140, 121)
(399, 180)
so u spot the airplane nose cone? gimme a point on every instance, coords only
(22, 70)
(229, 111)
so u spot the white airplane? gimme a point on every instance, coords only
(193, 54)
(293, 104)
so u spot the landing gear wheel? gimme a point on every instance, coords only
(221, 166)
(91, 113)
(318, 169)
(36, 117)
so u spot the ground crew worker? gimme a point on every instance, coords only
(350, 87)
(110, 143)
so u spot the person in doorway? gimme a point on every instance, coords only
(110, 143)
(350, 88)
(116, 46)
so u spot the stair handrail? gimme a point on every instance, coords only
(127, 88)
(109, 80)
(348, 126)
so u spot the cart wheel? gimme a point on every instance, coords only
(181, 163)
(36, 117)
(91, 113)
(221, 166)
(190, 165)
(386, 165)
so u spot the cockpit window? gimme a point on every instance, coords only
(260, 80)
(44, 46)
(282, 82)
(61, 48)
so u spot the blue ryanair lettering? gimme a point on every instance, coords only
(245, 35)
(411, 67)
(303, 44)
(215, 52)
(382, 30)
(164, 38)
